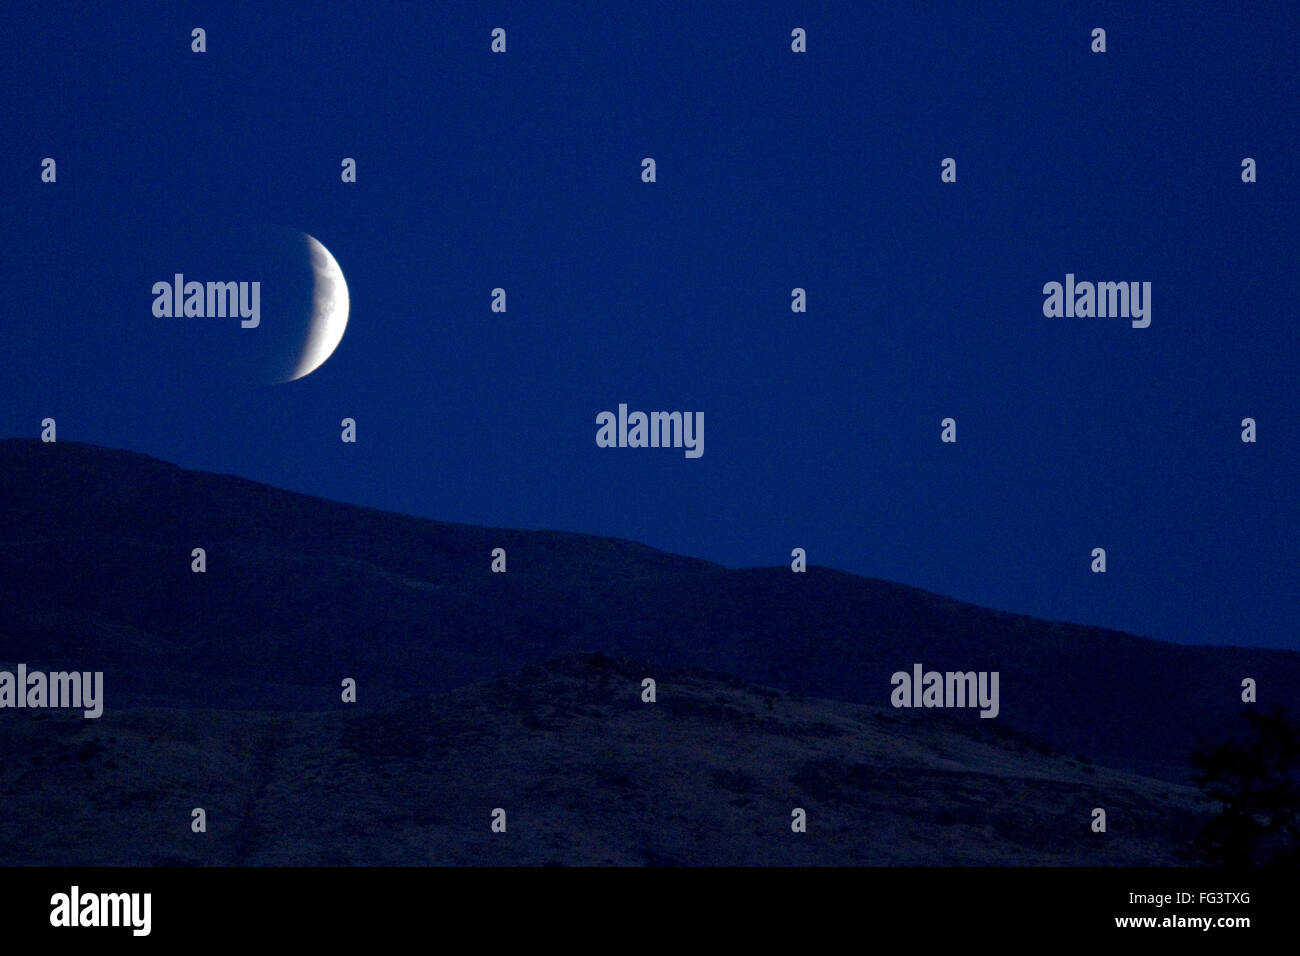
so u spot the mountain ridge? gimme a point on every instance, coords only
(300, 592)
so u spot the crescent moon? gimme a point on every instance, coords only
(329, 315)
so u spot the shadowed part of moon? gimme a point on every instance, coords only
(329, 314)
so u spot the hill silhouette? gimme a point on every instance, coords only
(301, 592)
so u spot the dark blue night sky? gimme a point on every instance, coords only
(775, 171)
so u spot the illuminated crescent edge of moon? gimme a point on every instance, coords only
(329, 310)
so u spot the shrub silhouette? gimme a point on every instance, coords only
(1255, 779)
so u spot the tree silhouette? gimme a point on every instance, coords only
(1255, 779)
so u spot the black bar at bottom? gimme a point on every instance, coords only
(331, 906)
